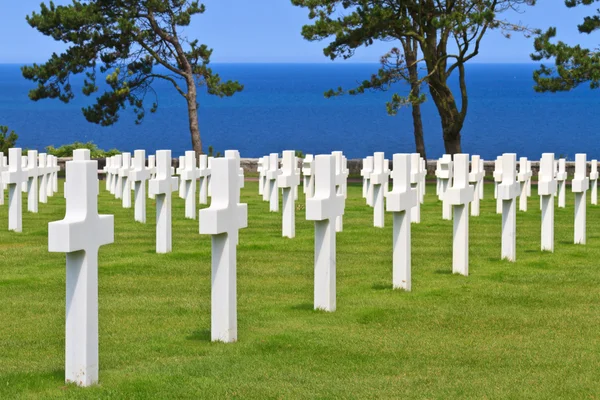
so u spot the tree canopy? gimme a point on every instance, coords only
(130, 44)
(573, 65)
(7, 139)
(448, 34)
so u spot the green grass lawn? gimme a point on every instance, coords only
(529, 329)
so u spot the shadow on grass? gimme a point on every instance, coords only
(382, 286)
(443, 271)
(303, 307)
(201, 335)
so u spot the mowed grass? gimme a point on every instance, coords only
(529, 329)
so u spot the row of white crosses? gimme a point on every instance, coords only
(36, 174)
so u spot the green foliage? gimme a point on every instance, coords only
(211, 153)
(66, 150)
(124, 41)
(299, 154)
(7, 140)
(573, 65)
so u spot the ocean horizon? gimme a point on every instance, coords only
(283, 108)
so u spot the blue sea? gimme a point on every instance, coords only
(282, 107)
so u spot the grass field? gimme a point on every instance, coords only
(529, 329)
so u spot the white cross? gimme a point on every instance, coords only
(14, 178)
(235, 154)
(261, 174)
(400, 201)
(561, 178)
(223, 219)
(459, 196)
(508, 191)
(107, 175)
(179, 171)
(3, 167)
(204, 174)
(118, 188)
(162, 186)
(298, 172)
(341, 183)
(112, 171)
(423, 171)
(272, 175)
(323, 208)
(594, 182)
(379, 180)
(524, 178)
(476, 177)
(309, 178)
(139, 175)
(288, 180)
(32, 181)
(80, 234)
(24, 168)
(55, 170)
(189, 174)
(497, 181)
(415, 178)
(365, 172)
(482, 168)
(444, 174)
(49, 171)
(209, 162)
(580, 185)
(266, 190)
(43, 177)
(152, 170)
(124, 180)
(546, 191)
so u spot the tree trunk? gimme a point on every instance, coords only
(451, 118)
(418, 130)
(410, 53)
(193, 117)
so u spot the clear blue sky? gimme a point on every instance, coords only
(269, 31)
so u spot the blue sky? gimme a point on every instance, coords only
(269, 31)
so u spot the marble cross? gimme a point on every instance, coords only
(162, 186)
(497, 181)
(309, 178)
(55, 170)
(43, 177)
(50, 172)
(323, 208)
(370, 196)
(476, 177)
(235, 154)
(223, 219)
(459, 196)
(272, 174)
(423, 175)
(546, 191)
(124, 181)
(341, 184)
(80, 234)
(482, 168)
(287, 181)
(152, 171)
(266, 189)
(209, 162)
(188, 175)
(118, 188)
(114, 170)
(261, 175)
(107, 174)
(139, 174)
(524, 179)
(444, 174)
(204, 175)
(32, 181)
(594, 182)
(508, 191)
(179, 171)
(379, 179)
(3, 167)
(399, 201)
(415, 178)
(561, 179)
(14, 178)
(580, 185)
(365, 172)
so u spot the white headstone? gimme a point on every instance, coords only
(497, 181)
(476, 177)
(152, 171)
(209, 162)
(55, 171)
(118, 190)
(24, 160)
(3, 167)
(50, 172)
(379, 179)
(423, 170)
(107, 174)
(594, 182)
(370, 195)
(415, 178)
(43, 177)
(261, 175)
(204, 175)
(323, 208)
(14, 178)
(482, 168)
(266, 189)
(580, 185)
(524, 178)
(546, 191)
(162, 186)
(365, 172)
(139, 175)
(508, 191)
(222, 220)
(341, 182)
(561, 178)
(272, 175)
(80, 234)
(400, 201)
(124, 180)
(287, 181)
(309, 178)
(459, 196)
(189, 174)
(179, 171)
(32, 181)
(235, 154)
(445, 177)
